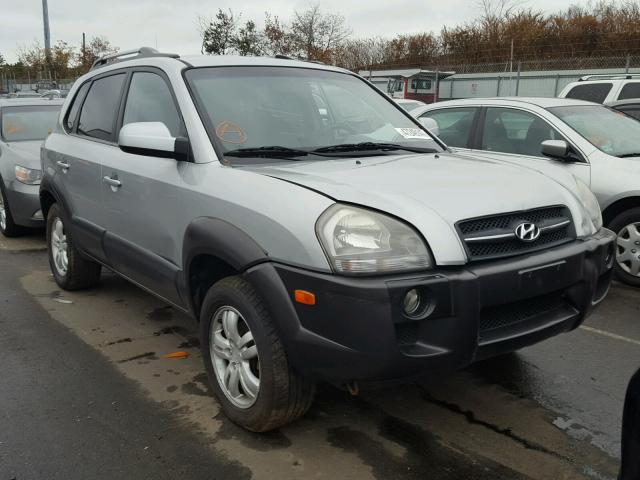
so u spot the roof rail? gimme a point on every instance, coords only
(610, 76)
(142, 52)
(300, 59)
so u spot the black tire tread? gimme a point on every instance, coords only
(293, 392)
(12, 230)
(81, 273)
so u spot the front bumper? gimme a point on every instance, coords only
(357, 330)
(24, 201)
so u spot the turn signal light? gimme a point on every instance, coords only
(307, 298)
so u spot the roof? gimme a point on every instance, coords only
(239, 61)
(543, 102)
(620, 103)
(18, 102)
(401, 73)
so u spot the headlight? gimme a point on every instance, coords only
(28, 175)
(590, 204)
(359, 241)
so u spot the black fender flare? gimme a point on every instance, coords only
(217, 237)
(46, 186)
(221, 239)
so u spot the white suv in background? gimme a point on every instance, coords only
(603, 88)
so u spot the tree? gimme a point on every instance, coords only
(317, 35)
(248, 40)
(1, 60)
(277, 40)
(219, 35)
(97, 47)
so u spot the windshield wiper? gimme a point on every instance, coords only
(627, 155)
(370, 146)
(274, 151)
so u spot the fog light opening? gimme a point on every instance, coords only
(412, 303)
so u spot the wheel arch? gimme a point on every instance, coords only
(616, 208)
(212, 250)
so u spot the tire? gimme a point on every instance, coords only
(628, 246)
(79, 272)
(283, 395)
(7, 226)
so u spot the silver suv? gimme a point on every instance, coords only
(315, 229)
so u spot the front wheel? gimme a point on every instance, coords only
(627, 227)
(246, 362)
(70, 269)
(7, 226)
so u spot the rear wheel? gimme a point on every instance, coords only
(70, 269)
(246, 362)
(627, 227)
(7, 226)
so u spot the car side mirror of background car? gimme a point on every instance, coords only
(431, 125)
(558, 149)
(153, 139)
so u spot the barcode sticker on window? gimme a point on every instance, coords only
(412, 133)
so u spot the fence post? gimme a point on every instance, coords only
(435, 97)
(628, 64)
(498, 87)
(518, 78)
(555, 88)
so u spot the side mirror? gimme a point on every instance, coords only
(431, 125)
(153, 139)
(558, 149)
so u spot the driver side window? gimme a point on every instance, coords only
(509, 130)
(150, 100)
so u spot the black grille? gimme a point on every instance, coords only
(501, 316)
(504, 221)
(505, 224)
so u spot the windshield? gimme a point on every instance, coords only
(298, 108)
(610, 131)
(32, 122)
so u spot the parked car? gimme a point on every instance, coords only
(408, 104)
(310, 245)
(630, 468)
(24, 124)
(594, 143)
(630, 107)
(603, 88)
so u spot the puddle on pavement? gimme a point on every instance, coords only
(462, 428)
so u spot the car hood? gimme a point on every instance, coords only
(26, 153)
(430, 191)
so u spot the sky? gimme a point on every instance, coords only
(172, 25)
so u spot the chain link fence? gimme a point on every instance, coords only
(26, 80)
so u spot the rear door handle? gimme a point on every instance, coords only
(63, 165)
(112, 182)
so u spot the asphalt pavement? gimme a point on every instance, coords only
(87, 392)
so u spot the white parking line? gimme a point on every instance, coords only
(610, 335)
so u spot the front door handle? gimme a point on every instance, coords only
(63, 165)
(114, 183)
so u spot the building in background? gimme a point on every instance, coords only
(413, 83)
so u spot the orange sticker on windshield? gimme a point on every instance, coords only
(230, 132)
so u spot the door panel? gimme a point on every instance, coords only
(141, 195)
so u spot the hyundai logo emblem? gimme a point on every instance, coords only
(527, 232)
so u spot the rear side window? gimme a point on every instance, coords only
(98, 114)
(150, 100)
(630, 90)
(591, 92)
(631, 110)
(454, 124)
(75, 106)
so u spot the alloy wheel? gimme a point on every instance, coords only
(59, 247)
(628, 249)
(234, 356)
